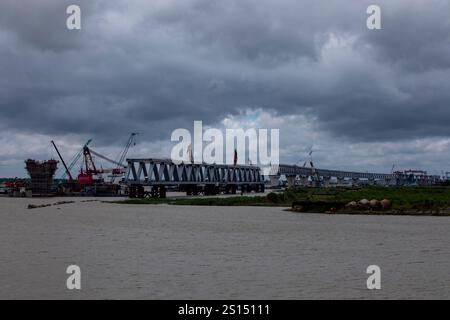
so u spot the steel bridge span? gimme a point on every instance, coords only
(152, 177)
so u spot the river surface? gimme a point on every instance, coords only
(183, 252)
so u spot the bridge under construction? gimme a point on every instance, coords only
(210, 179)
(152, 177)
(304, 176)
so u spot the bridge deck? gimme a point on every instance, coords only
(149, 172)
(290, 170)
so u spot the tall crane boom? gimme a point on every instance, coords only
(76, 159)
(120, 167)
(62, 160)
(130, 141)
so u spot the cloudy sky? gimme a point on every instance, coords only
(362, 99)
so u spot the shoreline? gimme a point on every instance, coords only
(416, 201)
(398, 201)
(377, 213)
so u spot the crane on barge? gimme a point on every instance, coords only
(90, 175)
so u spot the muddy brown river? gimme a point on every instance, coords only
(183, 252)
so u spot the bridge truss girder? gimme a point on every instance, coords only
(150, 172)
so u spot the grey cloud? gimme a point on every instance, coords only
(415, 34)
(42, 23)
(153, 66)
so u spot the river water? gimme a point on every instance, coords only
(174, 252)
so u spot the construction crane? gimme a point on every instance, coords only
(107, 159)
(119, 165)
(74, 161)
(86, 176)
(62, 160)
(120, 169)
(309, 159)
(315, 175)
(89, 169)
(393, 167)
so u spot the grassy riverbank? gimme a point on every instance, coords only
(207, 201)
(411, 200)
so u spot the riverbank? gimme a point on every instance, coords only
(426, 201)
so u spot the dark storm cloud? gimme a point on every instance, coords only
(153, 66)
(417, 35)
(40, 23)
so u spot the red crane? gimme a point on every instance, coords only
(89, 170)
(86, 176)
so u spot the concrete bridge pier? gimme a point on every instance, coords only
(290, 181)
(274, 181)
(401, 181)
(304, 181)
(316, 182)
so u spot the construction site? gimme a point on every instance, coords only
(90, 180)
(153, 178)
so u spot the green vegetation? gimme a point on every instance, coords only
(213, 201)
(405, 200)
(401, 197)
